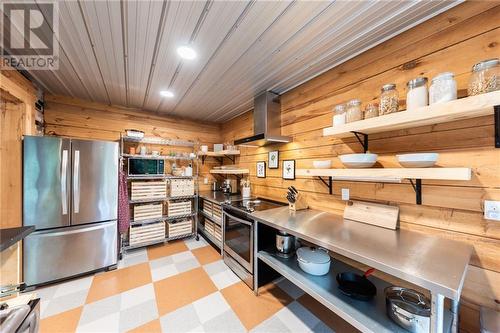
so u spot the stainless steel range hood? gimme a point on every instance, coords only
(266, 122)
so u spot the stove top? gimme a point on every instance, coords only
(254, 204)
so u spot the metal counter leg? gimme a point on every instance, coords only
(437, 313)
(255, 259)
(455, 309)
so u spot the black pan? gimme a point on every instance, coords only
(357, 286)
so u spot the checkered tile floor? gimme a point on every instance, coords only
(182, 286)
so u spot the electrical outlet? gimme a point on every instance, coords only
(205, 180)
(492, 210)
(345, 194)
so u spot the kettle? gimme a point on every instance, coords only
(284, 242)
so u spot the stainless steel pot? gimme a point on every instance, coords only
(408, 308)
(284, 242)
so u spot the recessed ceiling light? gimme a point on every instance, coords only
(186, 52)
(167, 93)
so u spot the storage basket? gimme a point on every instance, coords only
(210, 227)
(218, 232)
(181, 187)
(146, 233)
(179, 228)
(207, 207)
(148, 190)
(147, 212)
(178, 208)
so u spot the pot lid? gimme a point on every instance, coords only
(313, 255)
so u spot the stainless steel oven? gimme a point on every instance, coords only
(238, 244)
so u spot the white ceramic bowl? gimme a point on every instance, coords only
(366, 160)
(325, 164)
(421, 160)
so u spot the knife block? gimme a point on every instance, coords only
(299, 204)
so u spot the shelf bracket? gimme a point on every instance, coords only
(329, 184)
(363, 140)
(230, 157)
(417, 186)
(203, 157)
(497, 125)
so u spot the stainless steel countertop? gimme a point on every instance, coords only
(218, 197)
(436, 264)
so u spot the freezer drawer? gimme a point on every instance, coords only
(57, 254)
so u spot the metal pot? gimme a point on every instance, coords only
(284, 242)
(408, 308)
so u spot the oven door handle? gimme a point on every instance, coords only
(238, 219)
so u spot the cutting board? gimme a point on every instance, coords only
(371, 213)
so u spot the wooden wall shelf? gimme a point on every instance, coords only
(229, 171)
(465, 108)
(219, 155)
(388, 175)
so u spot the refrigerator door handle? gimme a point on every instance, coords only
(76, 182)
(64, 182)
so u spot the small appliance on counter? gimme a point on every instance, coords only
(284, 244)
(408, 308)
(315, 261)
(230, 186)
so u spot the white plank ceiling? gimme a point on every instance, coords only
(124, 52)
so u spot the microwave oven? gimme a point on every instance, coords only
(146, 167)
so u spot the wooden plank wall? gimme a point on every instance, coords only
(17, 107)
(452, 41)
(66, 116)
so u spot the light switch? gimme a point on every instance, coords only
(345, 194)
(492, 210)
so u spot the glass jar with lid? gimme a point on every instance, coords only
(417, 95)
(353, 112)
(371, 110)
(485, 77)
(443, 88)
(389, 99)
(339, 115)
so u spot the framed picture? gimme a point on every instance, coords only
(289, 169)
(261, 169)
(273, 161)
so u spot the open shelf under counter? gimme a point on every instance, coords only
(460, 109)
(389, 174)
(367, 316)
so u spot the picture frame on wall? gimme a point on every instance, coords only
(289, 169)
(261, 169)
(273, 159)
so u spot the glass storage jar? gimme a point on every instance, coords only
(371, 110)
(389, 99)
(417, 95)
(353, 112)
(485, 77)
(443, 88)
(339, 115)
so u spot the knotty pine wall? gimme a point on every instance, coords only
(76, 118)
(452, 41)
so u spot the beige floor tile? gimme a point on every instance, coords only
(115, 282)
(253, 310)
(206, 254)
(155, 252)
(182, 289)
(64, 322)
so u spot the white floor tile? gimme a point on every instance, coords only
(109, 323)
(192, 243)
(183, 256)
(224, 279)
(210, 306)
(291, 289)
(73, 286)
(136, 296)
(164, 272)
(297, 318)
(64, 303)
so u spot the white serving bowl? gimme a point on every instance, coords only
(366, 160)
(325, 164)
(420, 160)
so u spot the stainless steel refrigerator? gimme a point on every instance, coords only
(70, 194)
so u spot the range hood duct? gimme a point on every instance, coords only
(266, 122)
